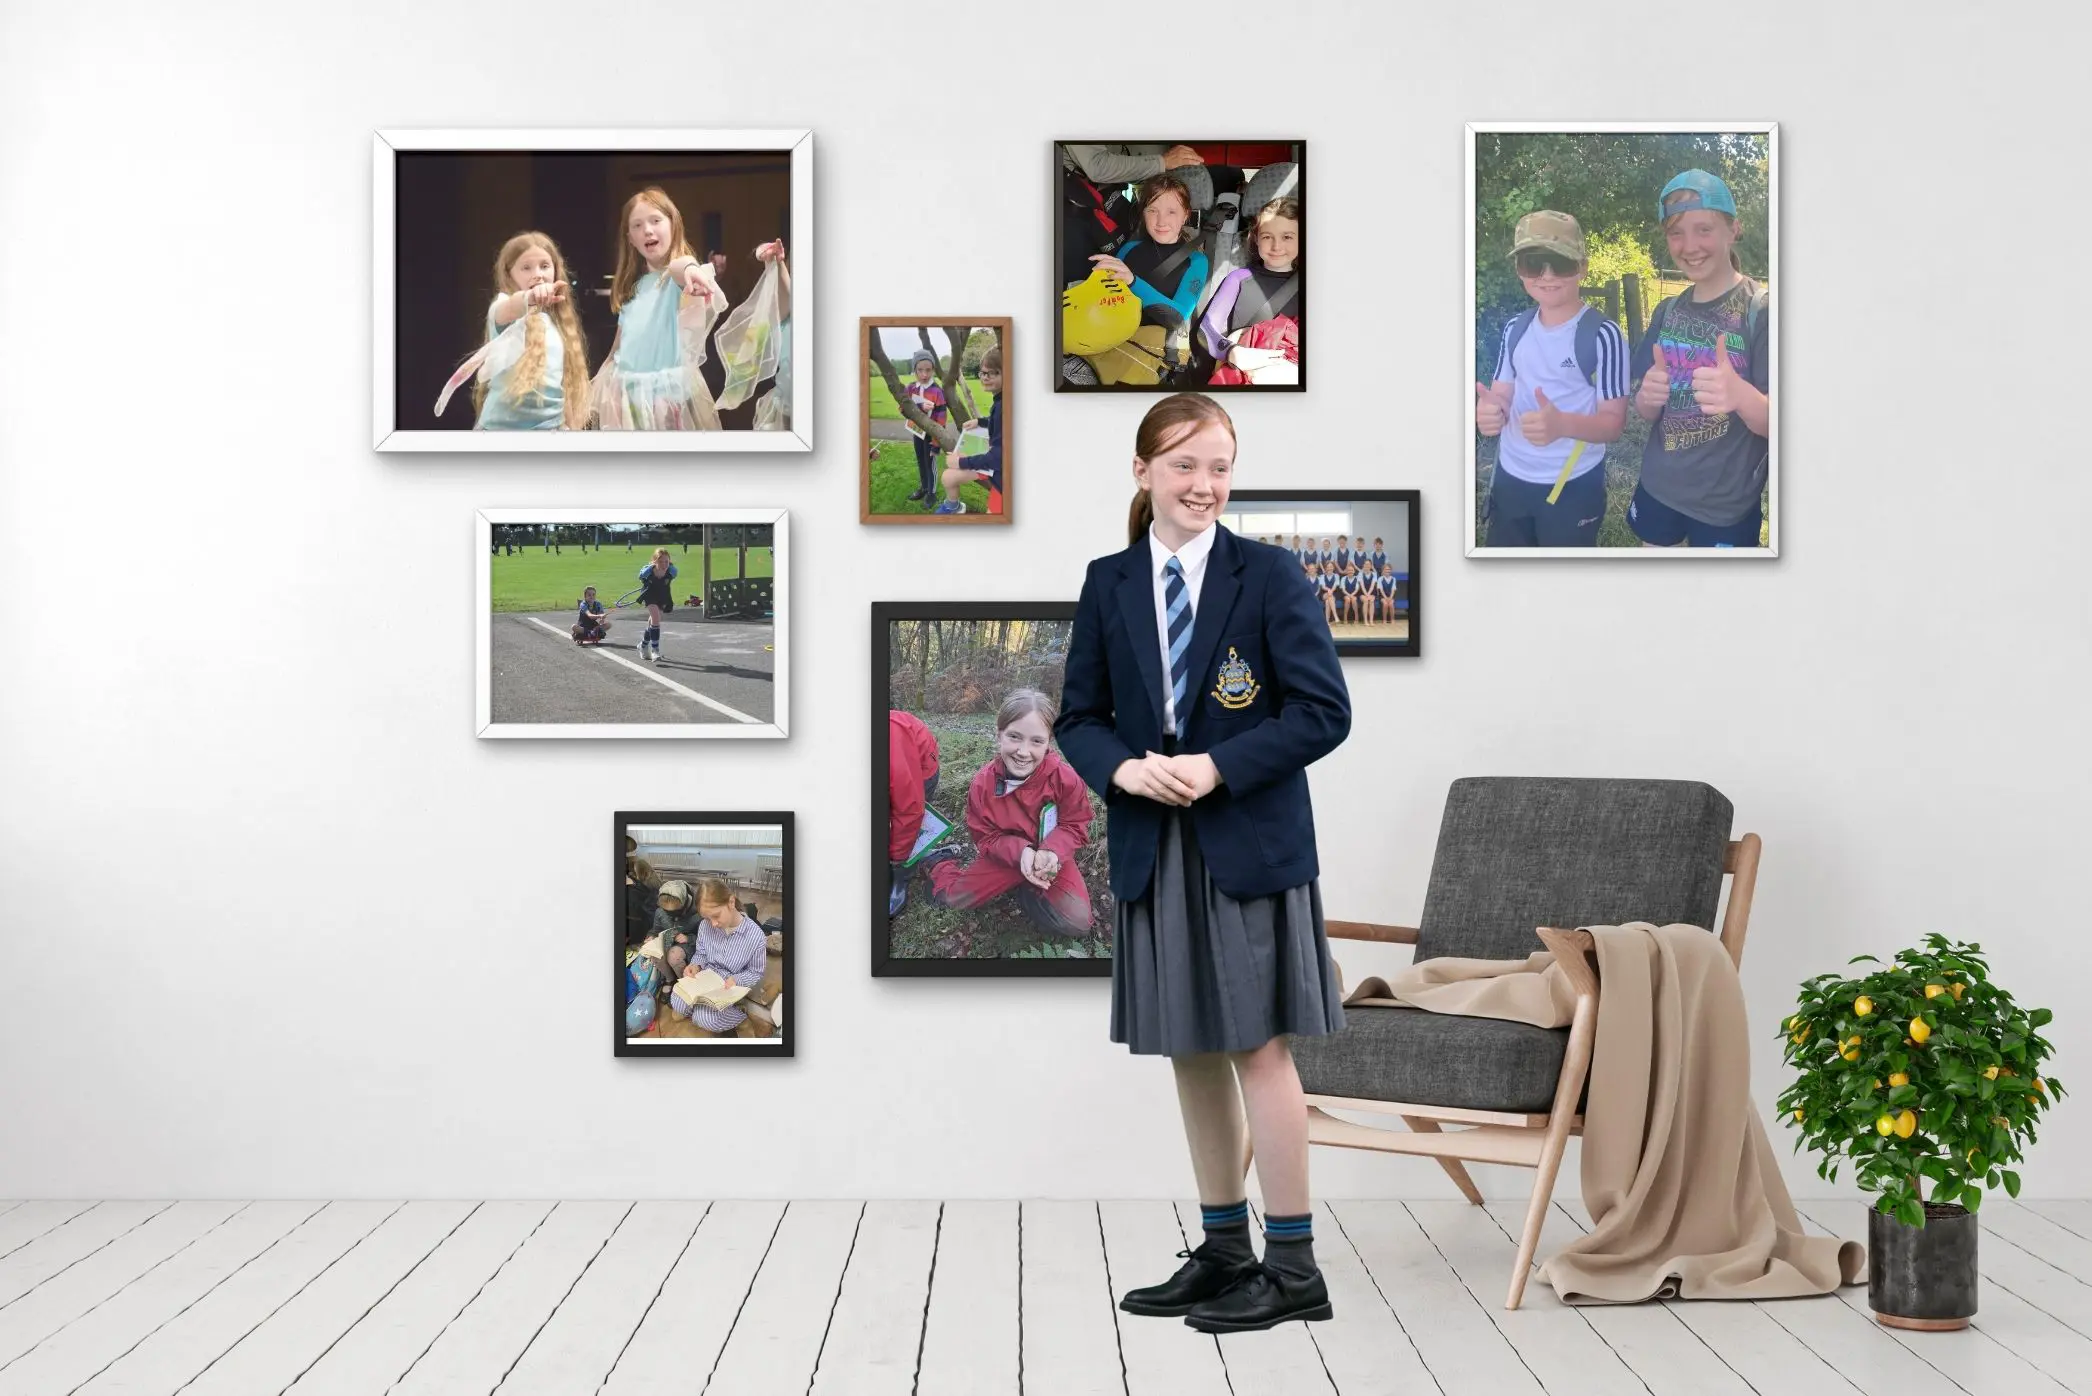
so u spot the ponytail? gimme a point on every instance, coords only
(1140, 517)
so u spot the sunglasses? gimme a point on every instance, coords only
(1535, 263)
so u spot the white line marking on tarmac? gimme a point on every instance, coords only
(644, 672)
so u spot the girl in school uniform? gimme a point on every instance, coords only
(1326, 592)
(659, 598)
(1198, 691)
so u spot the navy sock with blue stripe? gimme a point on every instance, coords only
(1227, 1232)
(1289, 1244)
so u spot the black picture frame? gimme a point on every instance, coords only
(1058, 201)
(884, 963)
(1411, 647)
(784, 1044)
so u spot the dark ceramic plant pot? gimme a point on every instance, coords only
(1923, 1276)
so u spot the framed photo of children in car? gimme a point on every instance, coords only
(1180, 264)
(550, 290)
(703, 918)
(1624, 340)
(1358, 549)
(988, 851)
(934, 448)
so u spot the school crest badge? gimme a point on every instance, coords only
(1237, 687)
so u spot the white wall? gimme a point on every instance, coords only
(1897, 705)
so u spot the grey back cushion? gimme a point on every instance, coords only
(1518, 852)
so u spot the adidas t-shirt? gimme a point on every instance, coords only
(1546, 359)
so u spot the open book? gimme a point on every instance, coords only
(651, 948)
(707, 988)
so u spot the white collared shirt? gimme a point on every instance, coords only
(1192, 558)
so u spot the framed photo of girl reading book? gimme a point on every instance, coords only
(988, 851)
(703, 919)
(592, 290)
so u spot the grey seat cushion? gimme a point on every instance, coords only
(1418, 1058)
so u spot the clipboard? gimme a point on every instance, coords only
(935, 828)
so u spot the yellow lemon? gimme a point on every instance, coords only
(1957, 987)
(1877, 1083)
(2033, 1100)
(1863, 1005)
(1794, 1022)
(1851, 1054)
(1990, 1073)
(1797, 1112)
(2037, 1084)
(1906, 1124)
(1933, 991)
(1899, 1078)
(1919, 1030)
(1885, 1125)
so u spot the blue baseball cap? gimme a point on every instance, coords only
(1704, 191)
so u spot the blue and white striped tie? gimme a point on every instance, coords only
(1176, 600)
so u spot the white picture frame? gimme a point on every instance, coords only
(388, 435)
(543, 648)
(1471, 531)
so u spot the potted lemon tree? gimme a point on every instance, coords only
(1925, 1078)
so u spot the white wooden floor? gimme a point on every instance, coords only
(929, 1299)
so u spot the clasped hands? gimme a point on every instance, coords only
(1169, 780)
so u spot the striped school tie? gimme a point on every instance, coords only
(1176, 599)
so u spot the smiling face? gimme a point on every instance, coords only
(651, 234)
(1023, 744)
(1551, 279)
(1699, 241)
(1164, 217)
(991, 379)
(1188, 482)
(1278, 242)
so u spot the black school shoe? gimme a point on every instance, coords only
(1264, 1299)
(1201, 1278)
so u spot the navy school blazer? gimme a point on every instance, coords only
(1266, 699)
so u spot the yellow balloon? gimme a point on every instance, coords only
(1098, 314)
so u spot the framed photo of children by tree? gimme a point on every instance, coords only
(1180, 264)
(1357, 548)
(539, 290)
(1624, 341)
(934, 446)
(988, 851)
(703, 938)
(633, 623)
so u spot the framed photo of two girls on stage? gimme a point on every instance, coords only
(645, 290)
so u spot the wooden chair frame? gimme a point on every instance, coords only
(1521, 1140)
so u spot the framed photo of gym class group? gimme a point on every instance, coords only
(934, 446)
(988, 851)
(592, 290)
(702, 939)
(1357, 548)
(608, 623)
(1180, 264)
(1623, 342)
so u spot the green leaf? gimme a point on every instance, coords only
(2041, 1017)
(1972, 1197)
(2011, 1183)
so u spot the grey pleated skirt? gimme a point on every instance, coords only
(1194, 970)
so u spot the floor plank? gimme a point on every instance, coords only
(298, 1334)
(876, 1332)
(2074, 1215)
(87, 1282)
(677, 1343)
(971, 1339)
(776, 1340)
(105, 1333)
(1281, 1361)
(1366, 1348)
(1743, 1336)
(479, 1347)
(185, 1346)
(2065, 1298)
(29, 1220)
(66, 1245)
(1163, 1357)
(2037, 1235)
(375, 1353)
(1456, 1338)
(1070, 1334)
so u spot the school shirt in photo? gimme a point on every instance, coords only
(588, 612)
(1546, 359)
(1343, 556)
(1708, 467)
(1192, 558)
(1003, 814)
(1379, 560)
(540, 410)
(1326, 557)
(741, 954)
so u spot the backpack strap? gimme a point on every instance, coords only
(1520, 323)
(1587, 343)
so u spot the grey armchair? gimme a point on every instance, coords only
(1518, 861)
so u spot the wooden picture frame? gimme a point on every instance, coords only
(882, 386)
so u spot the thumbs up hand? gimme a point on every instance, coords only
(1655, 392)
(1491, 411)
(1720, 388)
(1544, 424)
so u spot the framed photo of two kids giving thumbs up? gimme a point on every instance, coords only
(1623, 345)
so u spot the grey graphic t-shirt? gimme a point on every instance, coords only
(1709, 466)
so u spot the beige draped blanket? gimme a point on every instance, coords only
(1685, 1196)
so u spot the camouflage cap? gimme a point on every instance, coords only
(1550, 232)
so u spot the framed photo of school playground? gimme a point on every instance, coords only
(553, 290)
(633, 623)
(1624, 340)
(988, 851)
(703, 940)
(1180, 265)
(1357, 548)
(934, 446)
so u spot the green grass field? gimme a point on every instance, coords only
(535, 580)
(882, 403)
(1623, 467)
(894, 479)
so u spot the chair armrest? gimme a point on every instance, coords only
(1572, 951)
(1367, 930)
